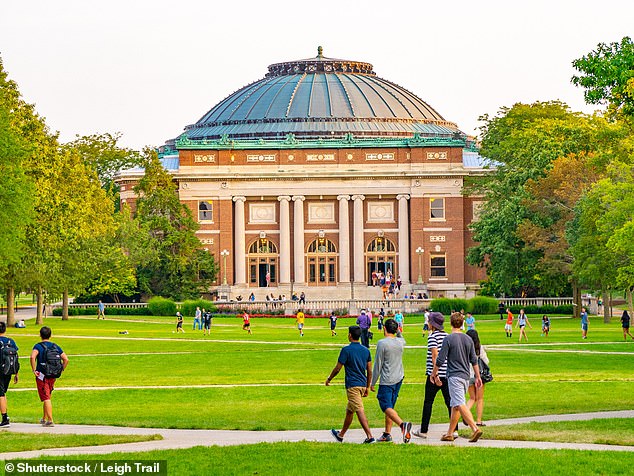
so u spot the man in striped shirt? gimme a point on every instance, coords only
(437, 334)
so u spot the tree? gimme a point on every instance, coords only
(607, 74)
(177, 268)
(522, 142)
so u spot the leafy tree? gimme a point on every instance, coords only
(607, 74)
(177, 267)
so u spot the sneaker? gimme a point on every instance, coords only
(5, 423)
(475, 436)
(42, 421)
(455, 435)
(406, 427)
(48, 424)
(385, 438)
(367, 441)
(481, 424)
(419, 434)
(335, 435)
(446, 438)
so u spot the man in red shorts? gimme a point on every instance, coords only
(41, 358)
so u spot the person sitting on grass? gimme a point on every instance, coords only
(357, 361)
(459, 352)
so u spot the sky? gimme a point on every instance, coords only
(148, 68)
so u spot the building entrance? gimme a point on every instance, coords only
(380, 259)
(263, 259)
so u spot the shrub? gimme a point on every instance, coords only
(443, 305)
(483, 305)
(110, 311)
(160, 306)
(188, 308)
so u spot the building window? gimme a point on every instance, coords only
(437, 209)
(205, 211)
(438, 266)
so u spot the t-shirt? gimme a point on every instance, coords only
(355, 358)
(333, 319)
(545, 323)
(245, 318)
(584, 318)
(198, 313)
(388, 365)
(625, 320)
(458, 350)
(434, 341)
(470, 322)
(41, 347)
(300, 317)
(102, 306)
(363, 321)
(521, 320)
(8, 341)
(509, 318)
(398, 317)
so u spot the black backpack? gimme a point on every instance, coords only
(9, 363)
(52, 361)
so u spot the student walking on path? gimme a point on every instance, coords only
(364, 322)
(388, 368)
(357, 362)
(459, 352)
(435, 339)
(48, 361)
(9, 367)
(522, 322)
(625, 324)
(476, 395)
(101, 310)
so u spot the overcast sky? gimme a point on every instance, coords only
(148, 68)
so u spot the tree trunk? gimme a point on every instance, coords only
(39, 319)
(629, 301)
(606, 306)
(10, 307)
(610, 310)
(576, 300)
(65, 306)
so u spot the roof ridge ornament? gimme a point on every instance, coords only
(320, 52)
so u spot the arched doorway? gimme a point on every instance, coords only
(321, 263)
(380, 257)
(262, 259)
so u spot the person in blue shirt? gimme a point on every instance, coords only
(101, 310)
(5, 380)
(584, 323)
(357, 361)
(470, 322)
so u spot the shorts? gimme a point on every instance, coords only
(45, 388)
(5, 380)
(333, 326)
(457, 389)
(180, 324)
(387, 395)
(355, 399)
(206, 325)
(425, 327)
(508, 327)
(626, 326)
(300, 326)
(246, 324)
(584, 327)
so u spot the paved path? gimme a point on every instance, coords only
(175, 439)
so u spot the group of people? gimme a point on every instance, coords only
(202, 321)
(47, 360)
(453, 367)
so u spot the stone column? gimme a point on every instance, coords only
(403, 238)
(298, 240)
(285, 240)
(344, 239)
(239, 249)
(359, 242)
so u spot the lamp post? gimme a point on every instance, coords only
(419, 252)
(224, 254)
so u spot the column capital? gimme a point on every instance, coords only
(358, 197)
(402, 197)
(343, 197)
(283, 198)
(239, 199)
(298, 198)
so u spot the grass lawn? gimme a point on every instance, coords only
(11, 441)
(305, 458)
(600, 431)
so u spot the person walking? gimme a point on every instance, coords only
(179, 322)
(207, 317)
(459, 353)
(388, 369)
(101, 310)
(364, 323)
(435, 339)
(625, 324)
(9, 367)
(501, 310)
(470, 322)
(48, 361)
(197, 319)
(508, 327)
(522, 322)
(584, 323)
(545, 325)
(333, 323)
(246, 322)
(398, 317)
(476, 395)
(380, 319)
(357, 362)
(300, 322)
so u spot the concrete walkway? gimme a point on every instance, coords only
(175, 439)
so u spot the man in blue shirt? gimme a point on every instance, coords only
(584, 323)
(364, 322)
(357, 361)
(5, 380)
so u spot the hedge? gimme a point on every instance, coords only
(483, 305)
(160, 306)
(565, 309)
(112, 311)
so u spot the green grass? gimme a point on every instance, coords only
(613, 431)
(11, 441)
(326, 459)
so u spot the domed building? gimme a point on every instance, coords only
(322, 177)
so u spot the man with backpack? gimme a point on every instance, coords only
(48, 361)
(9, 365)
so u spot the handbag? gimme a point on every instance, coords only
(485, 371)
(370, 335)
